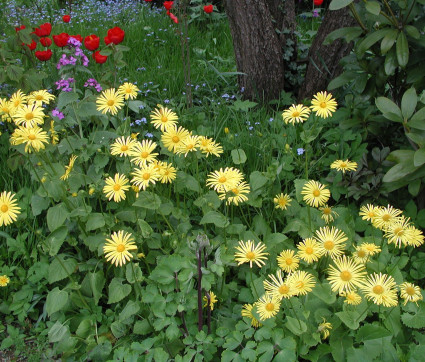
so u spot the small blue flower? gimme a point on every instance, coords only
(300, 151)
(149, 135)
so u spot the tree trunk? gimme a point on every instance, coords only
(323, 63)
(258, 50)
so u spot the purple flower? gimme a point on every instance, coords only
(300, 151)
(65, 84)
(57, 113)
(91, 82)
(315, 13)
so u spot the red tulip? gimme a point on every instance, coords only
(33, 45)
(66, 18)
(91, 42)
(318, 2)
(168, 4)
(98, 58)
(43, 55)
(43, 30)
(46, 42)
(209, 8)
(115, 35)
(18, 28)
(61, 40)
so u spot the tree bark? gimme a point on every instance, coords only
(324, 60)
(258, 50)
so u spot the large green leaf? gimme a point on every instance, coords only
(371, 331)
(95, 221)
(148, 200)
(390, 64)
(402, 50)
(56, 300)
(371, 39)
(339, 4)
(373, 7)
(60, 268)
(419, 157)
(296, 326)
(388, 41)
(97, 282)
(418, 120)
(408, 103)
(389, 109)
(399, 171)
(216, 218)
(349, 34)
(238, 156)
(55, 240)
(56, 216)
(130, 309)
(117, 290)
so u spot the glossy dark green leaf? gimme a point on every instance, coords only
(408, 103)
(388, 41)
(402, 50)
(339, 4)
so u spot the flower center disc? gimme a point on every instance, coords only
(386, 217)
(175, 139)
(283, 289)
(316, 193)
(309, 250)
(31, 137)
(409, 290)
(296, 114)
(250, 255)
(323, 105)
(164, 119)
(329, 245)
(345, 276)
(144, 154)
(222, 179)
(146, 176)
(4, 208)
(29, 116)
(399, 231)
(117, 187)
(110, 103)
(343, 165)
(327, 210)
(124, 148)
(235, 191)
(299, 285)
(120, 248)
(270, 307)
(377, 289)
(361, 253)
(288, 261)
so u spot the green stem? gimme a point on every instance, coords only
(357, 17)
(361, 314)
(295, 313)
(252, 282)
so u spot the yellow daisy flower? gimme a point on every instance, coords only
(213, 300)
(324, 328)
(351, 297)
(247, 312)
(143, 153)
(296, 114)
(385, 216)
(327, 213)
(267, 306)
(332, 241)
(309, 250)
(123, 146)
(361, 255)
(4, 280)
(323, 104)
(343, 166)
(167, 173)
(69, 168)
(410, 293)
(29, 116)
(288, 261)
(17, 100)
(278, 287)
(380, 288)
(189, 144)
(209, 147)
(9, 209)
(128, 90)
(172, 137)
(397, 232)
(163, 118)
(372, 249)
(110, 101)
(346, 275)
(34, 138)
(116, 187)
(236, 195)
(224, 180)
(315, 194)
(250, 253)
(117, 249)
(368, 212)
(6, 110)
(40, 97)
(301, 282)
(282, 201)
(416, 237)
(145, 176)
